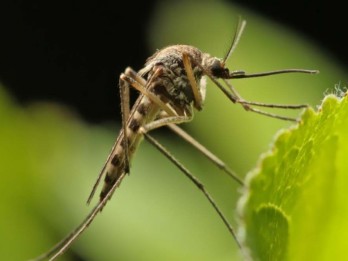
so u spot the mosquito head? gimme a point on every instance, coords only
(215, 66)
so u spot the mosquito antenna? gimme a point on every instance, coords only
(238, 33)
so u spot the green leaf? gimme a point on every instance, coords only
(294, 205)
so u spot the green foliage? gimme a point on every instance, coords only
(294, 207)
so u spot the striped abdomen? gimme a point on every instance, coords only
(143, 112)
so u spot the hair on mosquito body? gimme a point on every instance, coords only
(171, 86)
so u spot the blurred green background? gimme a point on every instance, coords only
(50, 158)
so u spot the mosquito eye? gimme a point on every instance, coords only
(218, 70)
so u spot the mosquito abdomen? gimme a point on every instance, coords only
(143, 112)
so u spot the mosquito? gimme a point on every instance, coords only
(171, 85)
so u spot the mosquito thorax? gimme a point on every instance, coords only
(172, 83)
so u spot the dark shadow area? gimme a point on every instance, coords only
(72, 52)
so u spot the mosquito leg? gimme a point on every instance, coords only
(171, 122)
(199, 185)
(64, 244)
(231, 94)
(124, 95)
(142, 88)
(133, 74)
(235, 98)
(140, 84)
(268, 105)
(246, 105)
(274, 105)
(128, 79)
(165, 121)
(213, 158)
(196, 92)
